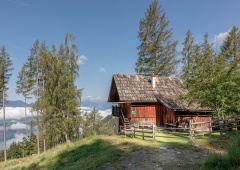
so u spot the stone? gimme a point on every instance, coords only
(21, 161)
(178, 153)
(162, 148)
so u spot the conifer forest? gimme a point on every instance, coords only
(210, 73)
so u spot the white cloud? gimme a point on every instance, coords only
(82, 59)
(97, 99)
(86, 109)
(104, 113)
(17, 138)
(17, 126)
(218, 39)
(102, 69)
(15, 112)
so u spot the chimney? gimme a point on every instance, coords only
(153, 82)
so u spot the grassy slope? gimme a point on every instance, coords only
(94, 152)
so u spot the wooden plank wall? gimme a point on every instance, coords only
(157, 113)
(164, 115)
(144, 113)
(196, 118)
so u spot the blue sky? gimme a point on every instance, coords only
(106, 32)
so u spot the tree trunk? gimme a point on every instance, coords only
(37, 118)
(44, 143)
(44, 131)
(26, 117)
(4, 126)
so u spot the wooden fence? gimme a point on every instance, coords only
(214, 126)
(149, 130)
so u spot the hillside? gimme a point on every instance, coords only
(117, 152)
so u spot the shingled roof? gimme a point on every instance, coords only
(137, 88)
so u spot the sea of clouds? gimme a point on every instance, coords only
(15, 122)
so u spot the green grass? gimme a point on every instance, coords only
(101, 151)
(229, 160)
(89, 153)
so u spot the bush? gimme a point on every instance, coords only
(228, 161)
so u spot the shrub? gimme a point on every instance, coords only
(228, 161)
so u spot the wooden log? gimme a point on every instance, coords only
(172, 129)
(210, 128)
(153, 131)
(220, 127)
(167, 136)
(226, 123)
(201, 134)
(200, 128)
(177, 133)
(190, 129)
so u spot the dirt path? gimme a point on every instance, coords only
(161, 158)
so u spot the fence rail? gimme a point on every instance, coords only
(214, 126)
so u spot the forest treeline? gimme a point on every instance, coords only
(211, 75)
(49, 75)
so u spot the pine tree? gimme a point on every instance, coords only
(231, 48)
(33, 73)
(24, 87)
(230, 51)
(157, 50)
(5, 69)
(188, 52)
(209, 83)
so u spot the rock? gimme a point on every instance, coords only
(196, 157)
(196, 146)
(162, 148)
(129, 164)
(178, 153)
(159, 168)
(21, 161)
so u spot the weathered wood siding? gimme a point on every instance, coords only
(164, 115)
(144, 113)
(158, 113)
(196, 118)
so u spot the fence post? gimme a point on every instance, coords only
(210, 127)
(153, 131)
(193, 137)
(220, 126)
(134, 131)
(226, 123)
(142, 131)
(190, 129)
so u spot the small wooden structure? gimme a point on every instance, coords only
(153, 99)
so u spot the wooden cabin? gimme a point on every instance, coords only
(153, 99)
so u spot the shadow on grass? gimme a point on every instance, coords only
(97, 153)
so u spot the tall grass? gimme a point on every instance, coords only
(231, 160)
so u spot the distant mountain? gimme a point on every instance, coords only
(99, 106)
(17, 103)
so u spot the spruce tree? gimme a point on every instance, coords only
(24, 87)
(33, 73)
(157, 51)
(5, 74)
(230, 51)
(188, 52)
(231, 48)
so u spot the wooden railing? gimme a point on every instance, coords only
(214, 126)
(149, 129)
